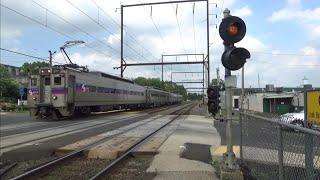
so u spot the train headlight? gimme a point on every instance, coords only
(34, 98)
(54, 97)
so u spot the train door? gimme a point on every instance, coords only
(148, 97)
(45, 94)
(71, 88)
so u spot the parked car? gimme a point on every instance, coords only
(293, 118)
(297, 119)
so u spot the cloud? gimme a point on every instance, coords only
(141, 34)
(243, 12)
(252, 44)
(293, 12)
(310, 51)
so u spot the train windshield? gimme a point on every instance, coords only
(57, 80)
(47, 81)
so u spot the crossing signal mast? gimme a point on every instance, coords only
(232, 30)
(213, 99)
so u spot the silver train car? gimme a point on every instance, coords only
(62, 91)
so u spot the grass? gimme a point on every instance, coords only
(216, 163)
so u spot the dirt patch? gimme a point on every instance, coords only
(23, 166)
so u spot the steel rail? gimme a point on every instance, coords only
(48, 165)
(135, 146)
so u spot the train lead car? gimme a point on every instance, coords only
(63, 91)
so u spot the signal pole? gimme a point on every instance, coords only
(229, 156)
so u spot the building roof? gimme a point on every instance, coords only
(278, 95)
(6, 65)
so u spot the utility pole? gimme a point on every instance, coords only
(208, 43)
(218, 76)
(230, 81)
(162, 83)
(241, 110)
(50, 58)
(121, 48)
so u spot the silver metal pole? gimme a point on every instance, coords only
(280, 153)
(241, 110)
(229, 156)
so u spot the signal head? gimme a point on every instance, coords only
(232, 29)
(234, 58)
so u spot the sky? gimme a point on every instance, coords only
(283, 37)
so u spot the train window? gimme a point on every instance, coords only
(57, 80)
(92, 89)
(47, 81)
(34, 82)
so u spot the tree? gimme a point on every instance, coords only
(167, 85)
(31, 68)
(194, 96)
(214, 82)
(8, 86)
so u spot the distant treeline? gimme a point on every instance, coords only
(166, 86)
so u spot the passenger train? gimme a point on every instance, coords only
(63, 91)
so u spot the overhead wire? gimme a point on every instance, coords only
(28, 55)
(76, 27)
(285, 54)
(103, 27)
(129, 34)
(194, 31)
(51, 28)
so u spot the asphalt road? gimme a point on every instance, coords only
(265, 135)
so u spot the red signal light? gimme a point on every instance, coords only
(233, 30)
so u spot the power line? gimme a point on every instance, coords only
(27, 55)
(179, 28)
(285, 54)
(194, 31)
(92, 19)
(76, 27)
(129, 34)
(49, 27)
(180, 33)
(157, 29)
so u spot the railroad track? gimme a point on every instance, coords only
(43, 169)
(43, 123)
(16, 141)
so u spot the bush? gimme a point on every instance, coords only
(8, 106)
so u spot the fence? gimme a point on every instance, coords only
(272, 149)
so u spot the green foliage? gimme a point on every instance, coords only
(194, 96)
(214, 82)
(32, 68)
(216, 165)
(167, 86)
(8, 86)
(154, 82)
